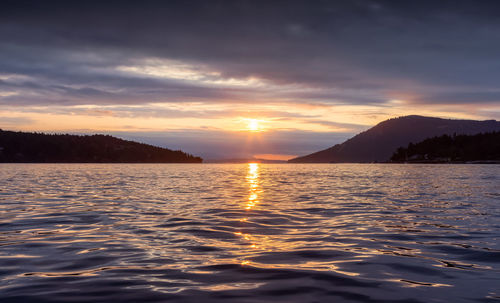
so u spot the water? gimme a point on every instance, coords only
(249, 233)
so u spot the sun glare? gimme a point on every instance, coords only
(253, 125)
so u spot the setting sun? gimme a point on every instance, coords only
(253, 125)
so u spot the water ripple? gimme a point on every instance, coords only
(249, 233)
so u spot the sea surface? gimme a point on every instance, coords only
(249, 233)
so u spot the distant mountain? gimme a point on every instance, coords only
(44, 148)
(378, 143)
(483, 148)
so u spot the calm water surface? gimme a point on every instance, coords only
(249, 233)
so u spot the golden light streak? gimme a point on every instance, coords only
(179, 70)
(253, 185)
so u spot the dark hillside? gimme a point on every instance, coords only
(378, 143)
(44, 148)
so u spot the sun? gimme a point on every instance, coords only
(253, 125)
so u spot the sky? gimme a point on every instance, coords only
(234, 79)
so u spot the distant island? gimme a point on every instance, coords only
(378, 143)
(480, 148)
(24, 147)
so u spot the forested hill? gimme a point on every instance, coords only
(45, 148)
(378, 143)
(477, 148)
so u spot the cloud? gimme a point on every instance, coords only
(349, 53)
(460, 96)
(318, 63)
(9, 122)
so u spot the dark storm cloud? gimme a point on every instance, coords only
(436, 51)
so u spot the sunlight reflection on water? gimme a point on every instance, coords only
(253, 185)
(249, 232)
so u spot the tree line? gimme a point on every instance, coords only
(455, 148)
(64, 148)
